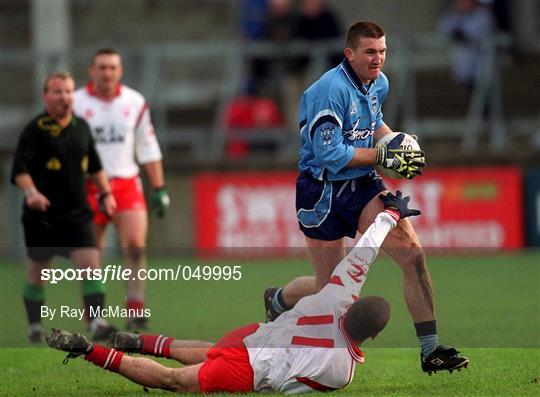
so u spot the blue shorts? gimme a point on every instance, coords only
(329, 210)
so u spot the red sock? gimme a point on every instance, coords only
(105, 357)
(156, 345)
(135, 305)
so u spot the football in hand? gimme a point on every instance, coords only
(408, 143)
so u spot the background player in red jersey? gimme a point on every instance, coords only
(120, 122)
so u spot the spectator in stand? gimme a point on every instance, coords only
(252, 19)
(314, 22)
(248, 112)
(466, 26)
(281, 21)
(279, 29)
(283, 76)
(317, 21)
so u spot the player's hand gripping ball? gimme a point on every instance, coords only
(400, 156)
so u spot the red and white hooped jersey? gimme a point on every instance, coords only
(121, 128)
(307, 348)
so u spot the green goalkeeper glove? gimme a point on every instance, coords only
(161, 201)
(405, 162)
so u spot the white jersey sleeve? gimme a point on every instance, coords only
(146, 143)
(350, 274)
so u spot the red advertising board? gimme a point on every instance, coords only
(246, 210)
(467, 207)
(461, 208)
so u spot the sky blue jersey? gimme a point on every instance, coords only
(337, 114)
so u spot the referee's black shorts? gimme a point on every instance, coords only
(47, 239)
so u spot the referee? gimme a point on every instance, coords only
(54, 154)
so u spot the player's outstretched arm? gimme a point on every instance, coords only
(351, 272)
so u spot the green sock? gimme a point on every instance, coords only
(33, 297)
(90, 287)
(93, 297)
(33, 292)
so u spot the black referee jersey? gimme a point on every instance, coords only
(58, 160)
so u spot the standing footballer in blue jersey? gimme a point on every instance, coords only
(336, 192)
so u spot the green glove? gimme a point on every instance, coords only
(161, 201)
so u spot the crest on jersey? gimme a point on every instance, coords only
(88, 114)
(47, 123)
(326, 133)
(374, 103)
(352, 109)
(53, 164)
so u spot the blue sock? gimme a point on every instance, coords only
(277, 302)
(428, 338)
(428, 343)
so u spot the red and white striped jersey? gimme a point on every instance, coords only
(307, 347)
(121, 127)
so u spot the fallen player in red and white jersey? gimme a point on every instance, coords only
(314, 346)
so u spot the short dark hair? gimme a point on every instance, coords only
(56, 75)
(367, 317)
(103, 51)
(361, 29)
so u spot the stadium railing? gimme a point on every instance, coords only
(197, 80)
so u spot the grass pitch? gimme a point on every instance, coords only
(387, 372)
(487, 306)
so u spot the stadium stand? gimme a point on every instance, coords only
(189, 61)
(189, 75)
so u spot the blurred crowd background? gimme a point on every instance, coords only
(223, 80)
